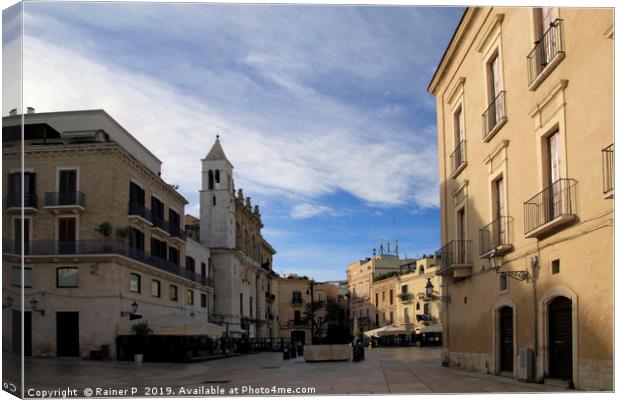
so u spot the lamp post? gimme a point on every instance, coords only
(310, 291)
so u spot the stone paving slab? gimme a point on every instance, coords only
(407, 370)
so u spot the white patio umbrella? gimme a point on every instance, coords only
(173, 324)
(387, 331)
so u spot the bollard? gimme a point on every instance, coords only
(285, 353)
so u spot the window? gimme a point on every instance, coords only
(173, 293)
(190, 297)
(406, 315)
(404, 289)
(136, 239)
(157, 208)
(203, 300)
(134, 283)
(241, 303)
(155, 288)
(458, 155)
(377, 319)
(297, 298)
(297, 317)
(321, 296)
(18, 237)
(203, 269)
(190, 264)
(555, 267)
(173, 255)
(251, 307)
(217, 176)
(67, 277)
(417, 306)
(494, 116)
(214, 201)
(391, 317)
(376, 299)
(391, 296)
(383, 296)
(210, 180)
(503, 283)
(67, 181)
(136, 195)
(159, 248)
(174, 220)
(16, 278)
(548, 50)
(66, 235)
(14, 197)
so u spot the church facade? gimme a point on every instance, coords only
(241, 259)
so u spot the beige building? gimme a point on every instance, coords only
(241, 259)
(525, 126)
(101, 236)
(401, 300)
(294, 294)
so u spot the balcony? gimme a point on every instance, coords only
(455, 258)
(423, 296)
(161, 225)
(494, 117)
(457, 159)
(608, 171)
(59, 202)
(494, 237)
(140, 213)
(547, 53)
(270, 297)
(14, 203)
(102, 247)
(297, 301)
(178, 233)
(552, 208)
(406, 297)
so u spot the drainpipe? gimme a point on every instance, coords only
(535, 271)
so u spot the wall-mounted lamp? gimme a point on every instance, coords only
(134, 309)
(192, 314)
(9, 302)
(34, 303)
(429, 288)
(497, 261)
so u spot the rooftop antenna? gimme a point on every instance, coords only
(388, 249)
(396, 248)
(381, 247)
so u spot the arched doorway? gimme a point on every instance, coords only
(560, 338)
(506, 340)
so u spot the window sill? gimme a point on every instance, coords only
(495, 129)
(547, 71)
(458, 170)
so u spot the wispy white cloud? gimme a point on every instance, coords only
(307, 210)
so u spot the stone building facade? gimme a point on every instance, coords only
(525, 140)
(100, 233)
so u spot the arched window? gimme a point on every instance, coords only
(217, 176)
(417, 306)
(210, 179)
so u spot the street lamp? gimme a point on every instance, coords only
(310, 291)
(34, 303)
(429, 288)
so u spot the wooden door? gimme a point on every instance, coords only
(66, 235)
(560, 339)
(506, 340)
(67, 334)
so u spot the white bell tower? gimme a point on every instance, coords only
(217, 207)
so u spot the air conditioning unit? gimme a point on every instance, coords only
(526, 364)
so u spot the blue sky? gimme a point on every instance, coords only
(322, 110)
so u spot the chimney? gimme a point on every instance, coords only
(13, 112)
(29, 110)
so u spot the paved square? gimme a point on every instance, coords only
(384, 371)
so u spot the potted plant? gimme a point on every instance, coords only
(141, 330)
(105, 230)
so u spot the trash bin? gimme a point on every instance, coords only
(285, 353)
(357, 353)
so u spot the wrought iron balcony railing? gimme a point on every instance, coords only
(406, 296)
(455, 252)
(91, 247)
(297, 300)
(608, 169)
(545, 50)
(494, 235)
(494, 114)
(178, 232)
(457, 157)
(161, 223)
(53, 199)
(15, 200)
(556, 202)
(141, 211)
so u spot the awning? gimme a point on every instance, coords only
(173, 325)
(437, 328)
(387, 331)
